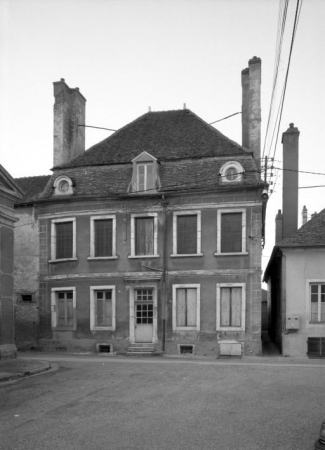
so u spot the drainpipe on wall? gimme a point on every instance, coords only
(164, 204)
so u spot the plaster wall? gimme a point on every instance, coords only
(302, 266)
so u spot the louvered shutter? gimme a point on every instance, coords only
(144, 236)
(103, 237)
(231, 233)
(191, 307)
(236, 307)
(181, 308)
(186, 234)
(225, 307)
(64, 240)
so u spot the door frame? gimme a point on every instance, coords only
(132, 312)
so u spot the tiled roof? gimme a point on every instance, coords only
(167, 135)
(113, 180)
(310, 234)
(32, 186)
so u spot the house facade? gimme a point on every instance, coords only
(10, 192)
(151, 237)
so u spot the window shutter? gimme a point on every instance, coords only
(191, 307)
(144, 236)
(64, 240)
(231, 233)
(181, 308)
(225, 307)
(186, 234)
(103, 237)
(236, 307)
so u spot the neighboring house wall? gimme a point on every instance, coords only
(26, 278)
(303, 267)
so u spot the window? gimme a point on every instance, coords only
(187, 233)
(144, 306)
(317, 302)
(231, 306)
(231, 232)
(145, 174)
(231, 172)
(186, 307)
(63, 302)
(63, 186)
(102, 308)
(144, 235)
(63, 237)
(103, 237)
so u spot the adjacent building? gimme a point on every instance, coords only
(151, 239)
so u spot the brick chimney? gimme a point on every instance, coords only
(304, 215)
(251, 108)
(290, 141)
(69, 111)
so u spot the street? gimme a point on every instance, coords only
(158, 404)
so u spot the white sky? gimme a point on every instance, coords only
(127, 55)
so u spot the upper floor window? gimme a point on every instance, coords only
(231, 172)
(63, 239)
(317, 302)
(144, 235)
(103, 237)
(231, 232)
(187, 233)
(145, 174)
(63, 186)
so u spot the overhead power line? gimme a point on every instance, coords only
(224, 118)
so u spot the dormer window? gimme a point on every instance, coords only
(145, 174)
(63, 186)
(231, 172)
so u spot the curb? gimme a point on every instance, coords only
(46, 366)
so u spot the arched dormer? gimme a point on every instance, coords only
(63, 186)
(145, 177)
(231, 172)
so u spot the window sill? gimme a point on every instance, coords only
(317, 323)
(186, 329)
(231, 254)
(185, 255)
(51, 261)
(64, 328)
(94, 258)
(143, 256)
(230, 329)
(102, 329)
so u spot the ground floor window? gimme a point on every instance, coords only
(102, 308)
(231, 306)
(317, 302)
(186, 307)
(63, 302)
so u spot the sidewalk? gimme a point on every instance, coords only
(11, 369)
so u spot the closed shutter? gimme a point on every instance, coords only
(104, 308)
(64, 240)
(231, 233)
(144, 236)
(230, 306)
(103, 237)
(65, 309)
(186, 307)
(186, 235)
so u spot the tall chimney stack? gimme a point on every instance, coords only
(290, 141)
(251, 108)
(69, 112)
(304, 215)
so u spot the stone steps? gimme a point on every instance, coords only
(141, 349)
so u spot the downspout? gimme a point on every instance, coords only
(164, 204)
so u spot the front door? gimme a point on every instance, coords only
(144, 315)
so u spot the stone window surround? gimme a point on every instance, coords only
(92, 237)
(93, 327)
(155, 239)
(231, 164)
(218, 308)
(219, 218)
(309, 323)
(53, 239)
(198, 300)
(186, 213)
(54, 304)
(57, 182)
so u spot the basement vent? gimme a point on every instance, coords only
(186, 349)
(28, 298)
(104, 348)
(316, 347)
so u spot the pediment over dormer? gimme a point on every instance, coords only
(144, 157)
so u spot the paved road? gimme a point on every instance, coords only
(164, 404)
